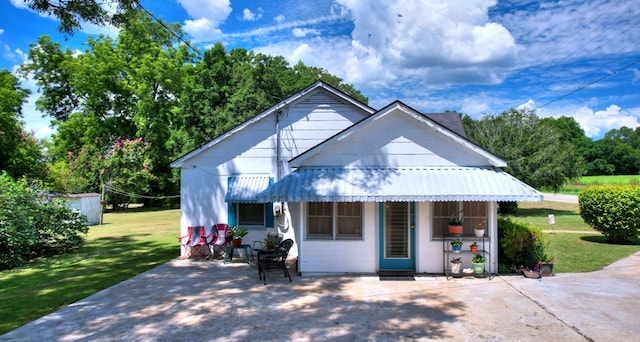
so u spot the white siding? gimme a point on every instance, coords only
(252, 151)
(396, 140)
(341, 256)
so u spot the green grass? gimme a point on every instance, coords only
(129, 243)
(575, 245)
(574, 188)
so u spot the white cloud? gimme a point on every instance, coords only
(433, 43)
(19, 4)
(250, 16)
(279, 18)
(303, 32)
(595, 124)
(1, 31)
(208, 15)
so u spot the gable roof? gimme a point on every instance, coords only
(426, 120)
(274, 109)
(450, 120)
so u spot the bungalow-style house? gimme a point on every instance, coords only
(359, 190)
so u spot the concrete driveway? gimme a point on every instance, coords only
(186, 300)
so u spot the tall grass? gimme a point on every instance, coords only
(128, 243)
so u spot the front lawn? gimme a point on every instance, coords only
(129, 243)
(575, 245)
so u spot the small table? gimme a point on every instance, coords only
(229, 252)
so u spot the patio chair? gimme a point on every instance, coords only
(219, 240)
(194, 242)
(276, 259)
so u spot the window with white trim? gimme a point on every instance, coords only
(334, 221)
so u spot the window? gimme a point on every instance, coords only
(334, 220)
(251, 214)
(474, 213)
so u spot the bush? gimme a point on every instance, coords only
(613, 210)
(31, 225)
(519, 245)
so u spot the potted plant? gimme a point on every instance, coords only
(478, 263)
(455, 223)
(474, 247)
(545, 265)
(237, 235)
(271, 241)
(456, 264)
(479, 230)
(456, 245)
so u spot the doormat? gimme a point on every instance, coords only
(398, 277)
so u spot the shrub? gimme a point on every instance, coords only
(613, 210)
(31, 225)
(519, 244)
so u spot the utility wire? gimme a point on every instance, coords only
(590, 83)
(159, 21)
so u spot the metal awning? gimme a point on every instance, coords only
(414, 184)
(246, 189)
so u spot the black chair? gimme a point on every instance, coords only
(276, 259)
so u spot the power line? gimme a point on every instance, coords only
(162, 23)
(590, 83)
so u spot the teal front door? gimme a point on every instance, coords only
(397, 236)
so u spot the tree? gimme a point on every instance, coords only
(124, 88)
(72, 12)
(20, 152)
(534, 151)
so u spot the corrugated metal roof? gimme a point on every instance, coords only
(245, 189)
(399, 184)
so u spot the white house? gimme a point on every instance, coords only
(361, 190)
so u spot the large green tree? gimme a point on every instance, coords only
(534, 150)
(227, 88)
(122, 88)
(71, 13)
(20, 151)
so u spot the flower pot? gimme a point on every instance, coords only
(455, 268)
(546, 269)
(478, 268)
(478, 232)
(455, 230)
(456, 249)
(236, 242)
(474, 249)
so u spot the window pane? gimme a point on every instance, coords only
(251, 214)
(475, 213)
(319, 220)
(349, 220)
(442, 212)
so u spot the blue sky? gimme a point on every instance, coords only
(572, 57)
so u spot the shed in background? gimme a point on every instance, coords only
(87, 204)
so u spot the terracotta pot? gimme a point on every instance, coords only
(455, 230)
(474, 249)
(236, 242)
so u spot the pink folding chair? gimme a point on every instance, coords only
(219, 240)
(194, 242)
